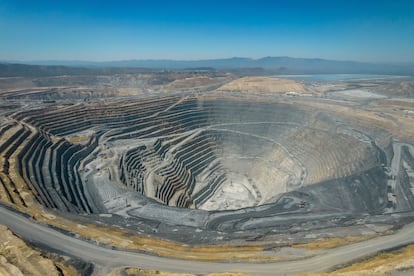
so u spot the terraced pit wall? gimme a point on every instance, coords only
(207, 153)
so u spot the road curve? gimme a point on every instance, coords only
(108, 258)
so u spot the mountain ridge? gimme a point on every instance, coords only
(270, 64)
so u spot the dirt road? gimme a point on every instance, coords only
(106, 258)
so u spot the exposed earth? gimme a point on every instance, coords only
(210, 166)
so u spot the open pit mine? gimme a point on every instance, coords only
(221, 169)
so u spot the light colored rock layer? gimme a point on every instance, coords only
(263, 85)
(17, 258)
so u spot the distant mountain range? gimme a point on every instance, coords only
(272, 65)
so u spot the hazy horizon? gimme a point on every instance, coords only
(102, 31)
(33, 61)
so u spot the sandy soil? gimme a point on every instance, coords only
(356, 94)
(17, 258)
(192, 83)
(132, 271)
(382, 264)
(264, 85)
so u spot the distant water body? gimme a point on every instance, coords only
(337, 77)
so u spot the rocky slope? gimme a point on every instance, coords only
(17, 258)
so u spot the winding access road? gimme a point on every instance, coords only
(107, 258)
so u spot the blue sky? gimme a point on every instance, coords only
(364, 30)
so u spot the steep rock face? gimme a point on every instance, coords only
(364, 192)
(17, 258)
(211, 153)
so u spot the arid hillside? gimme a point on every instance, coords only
(264, 85)
(17, 258)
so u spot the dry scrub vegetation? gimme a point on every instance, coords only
(329, 243)
(381, 264)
